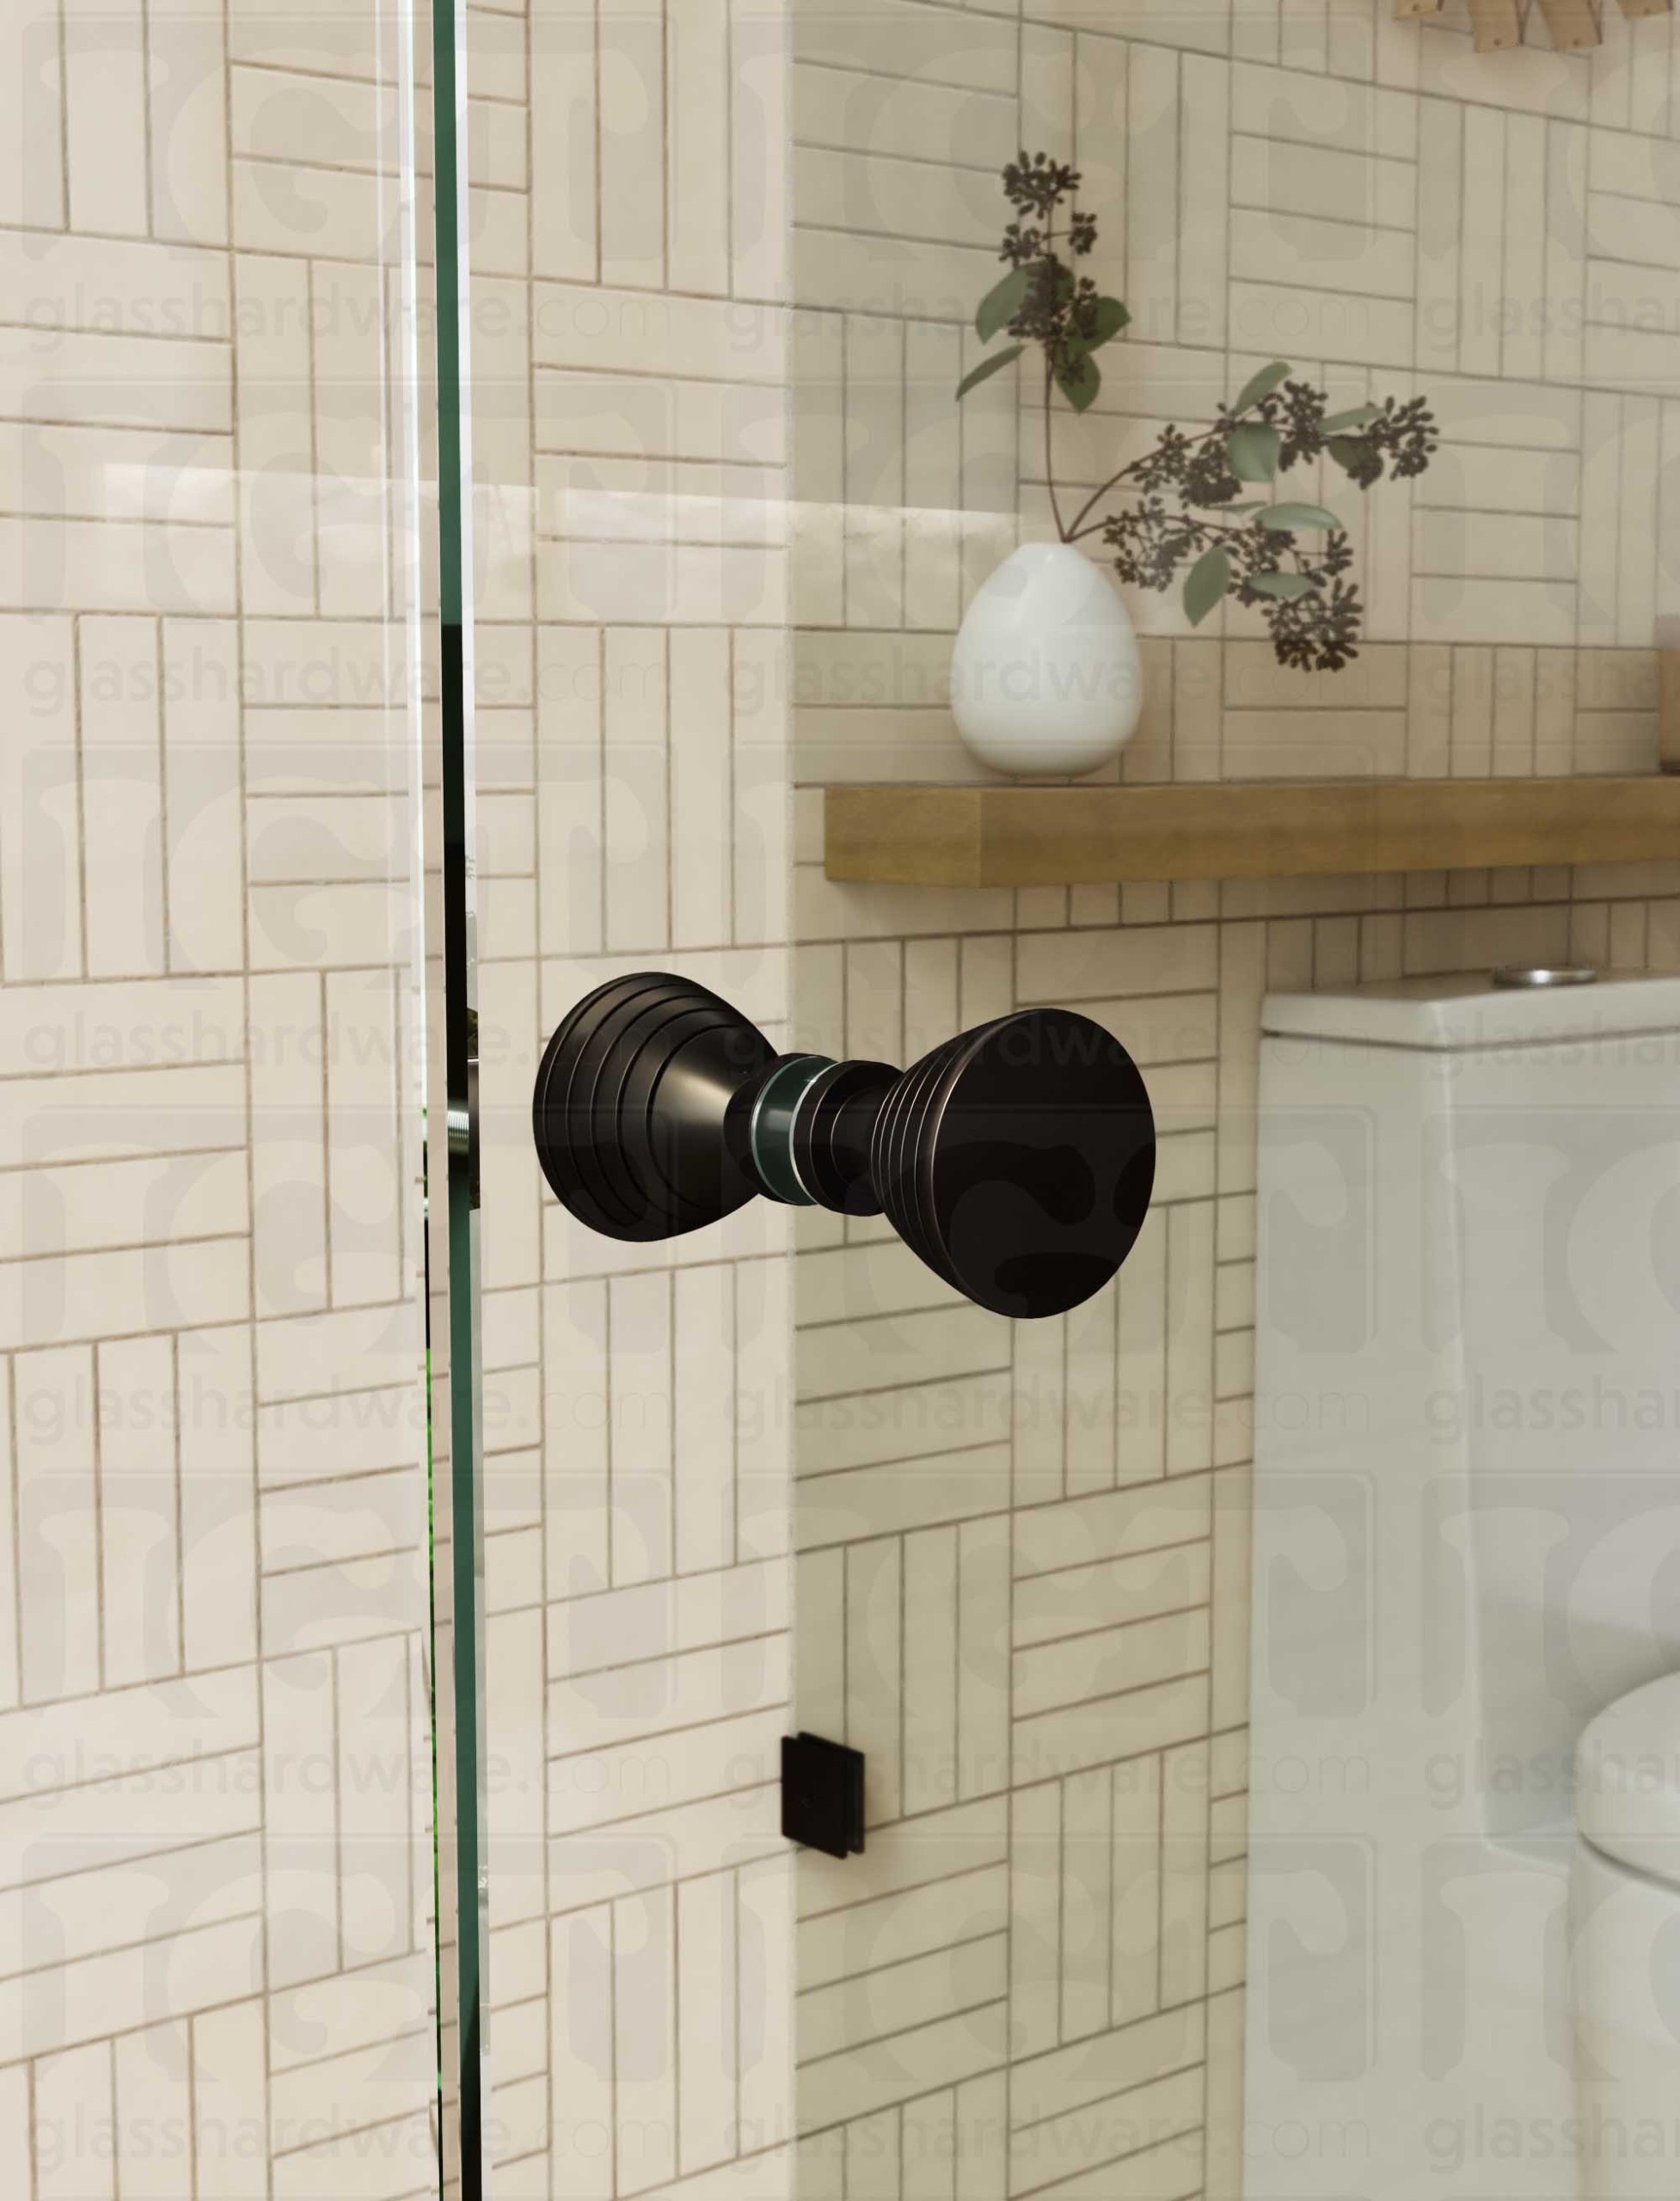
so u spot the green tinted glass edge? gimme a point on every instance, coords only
(466, 1513)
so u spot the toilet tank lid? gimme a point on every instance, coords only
(1627, 1780)
(1468, 1010)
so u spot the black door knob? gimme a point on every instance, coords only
(1016, 1160)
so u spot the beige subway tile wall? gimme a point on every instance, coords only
(1021, 1584)
(631, 332)
(215, 1761)
(210, 1343)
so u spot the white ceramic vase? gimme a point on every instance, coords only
(1046, 679)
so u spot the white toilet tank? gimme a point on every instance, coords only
(1467, 1542)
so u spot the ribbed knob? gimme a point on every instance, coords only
(630, 1106)
(1016, 1160)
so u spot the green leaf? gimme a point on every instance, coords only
(1002, 304)
(1253, 451)
(1208, 581)
(1350, 453)
(1290, 587)
(1110, 319)
(988, 368)
(1283, 519)
(1263, 384)
(1360, 417)
(1079, 380)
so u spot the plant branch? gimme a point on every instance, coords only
(1049, 460)
(1049, 393)
(1187, 502)
(1133, 467)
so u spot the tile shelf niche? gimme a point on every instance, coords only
(1079, 835)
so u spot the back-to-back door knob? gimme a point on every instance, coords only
(1016, 1160)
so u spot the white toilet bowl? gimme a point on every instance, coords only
(1625, 1947)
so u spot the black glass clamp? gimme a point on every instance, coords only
(1017, 1160)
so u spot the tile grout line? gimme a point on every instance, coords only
(237, 548)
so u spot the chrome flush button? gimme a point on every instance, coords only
(1512, 975)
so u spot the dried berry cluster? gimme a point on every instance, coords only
(1191, 507)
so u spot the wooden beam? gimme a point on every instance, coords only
(1634, 9)
(1058, 837)
(1497, 24)
(1573, 24)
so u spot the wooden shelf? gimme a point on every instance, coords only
(1077, 836)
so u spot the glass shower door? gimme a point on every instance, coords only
(777, 1475)
(728, 270)
(215, 1616)
(626, 318)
